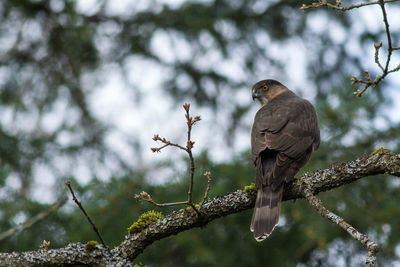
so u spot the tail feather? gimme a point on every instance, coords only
(266, 212)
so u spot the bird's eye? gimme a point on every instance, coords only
(265, 88)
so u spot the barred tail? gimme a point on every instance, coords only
(266, 212)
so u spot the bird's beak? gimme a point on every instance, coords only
(255, 95)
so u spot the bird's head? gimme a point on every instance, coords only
(265, 90)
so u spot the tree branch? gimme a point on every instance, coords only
(189, 145)
(75, 254)
(338, 5)
(95, 229)
(382, 161)
(367, 81)
(20, 227)
(371, 246)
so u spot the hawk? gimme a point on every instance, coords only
(285, 132)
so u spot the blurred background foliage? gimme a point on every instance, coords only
(54, 55)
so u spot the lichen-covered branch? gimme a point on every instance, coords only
(382, 161)
(75, 254)
(338, 5)
(371, 246)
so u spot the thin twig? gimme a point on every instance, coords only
(146, 197)
(367, 81)
(208, 175)
(377, 47)
(68, 184)
(385, 70)
(189, 146)
(190, 121)
(371, 246)
(166, 142)
(169, 204)
(20, 227)
(389, 38)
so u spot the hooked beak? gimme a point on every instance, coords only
(254, 95)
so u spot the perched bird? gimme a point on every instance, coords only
(285, 132)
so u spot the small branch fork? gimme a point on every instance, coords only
(367, 81)
(68, 184)
(190, 121)
(371, 246)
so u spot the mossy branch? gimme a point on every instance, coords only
(382, 161)
(144, 220)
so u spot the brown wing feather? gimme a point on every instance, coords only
(287, 125)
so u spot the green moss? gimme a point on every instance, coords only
(250, 189)
(144, 220)
(196, 205)
(378, 150)
(90, 245)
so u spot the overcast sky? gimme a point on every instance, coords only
(136, 121)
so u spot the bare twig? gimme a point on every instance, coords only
(190, 121)
(189, 146)
(385, 70)
(371, 246)
(59, 203)
(389, 38)
(146, 197)
(68, 184)
(166, 142)
(377, 47)
(367, 81)
(208, 175)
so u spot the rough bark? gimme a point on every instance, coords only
(380, 162)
